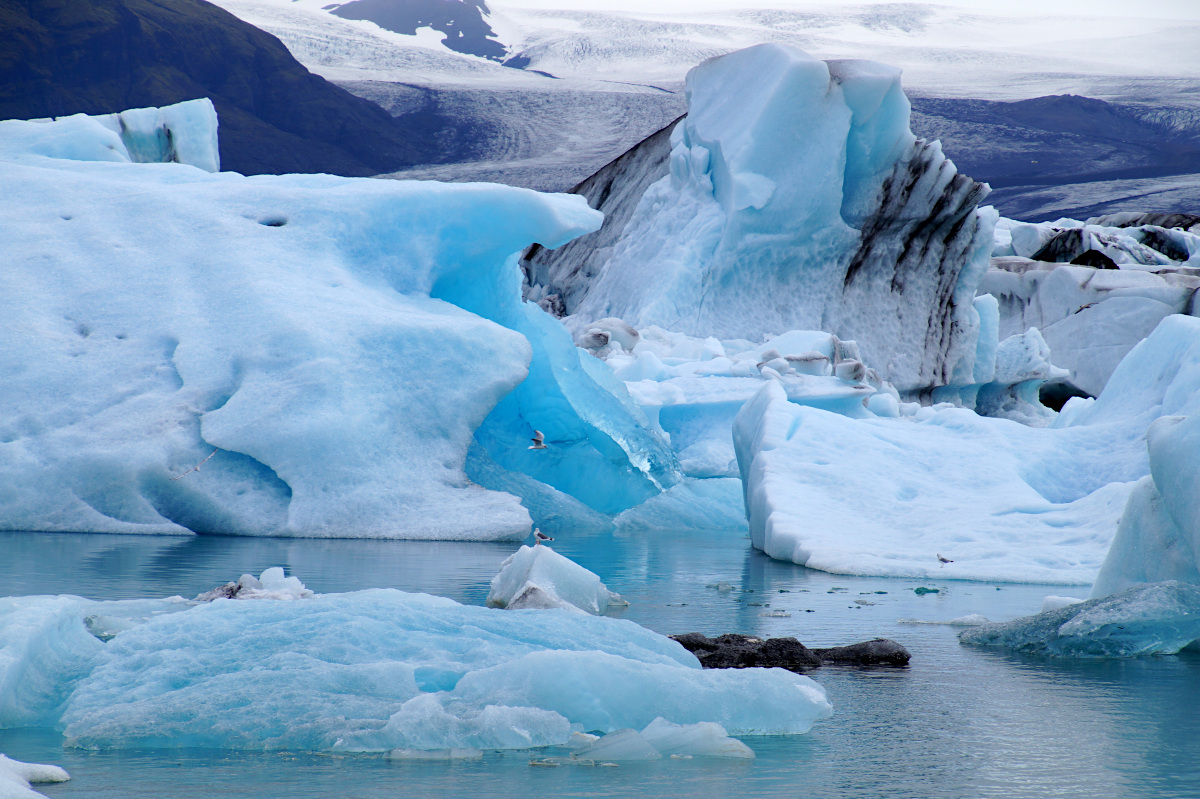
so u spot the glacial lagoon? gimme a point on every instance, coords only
(959, 722)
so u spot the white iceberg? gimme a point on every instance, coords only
(1003, 501)
(1156, 619)
(271, 584)
(16, 778)
(539, 577)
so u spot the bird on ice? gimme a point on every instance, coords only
(539, 440)
(540, 536)
(942, 560)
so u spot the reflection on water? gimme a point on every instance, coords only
(960, 722)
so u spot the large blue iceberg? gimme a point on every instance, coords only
(304, 355)
(372, 670)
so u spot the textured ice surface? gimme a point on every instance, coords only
(1003, 501)
(705, 739)
(539, 577)
(799, 199)
(284, 355)
(15, 778)
(1156, 619)
(374, 670)
(1090, 318)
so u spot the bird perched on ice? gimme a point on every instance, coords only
(540, 536)
(539, 440)
(942, 560)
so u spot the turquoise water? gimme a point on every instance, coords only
(959, 722)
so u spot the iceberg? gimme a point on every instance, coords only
(539, 577)
(1158, 537)
(1156, 619)
(797, 199)
(302, 355)
(16, 778)
(376, 670)
(1003, 501)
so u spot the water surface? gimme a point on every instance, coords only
(959, 722)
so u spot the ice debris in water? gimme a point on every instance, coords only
(435, 754)
(539, 577)
(271, 584)
(970, 620)
(1157, 619)
(15, 778)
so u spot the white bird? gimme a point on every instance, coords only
(942, 560)
(539, 440)
(540, 536)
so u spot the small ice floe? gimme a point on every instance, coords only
(435, 754)
(1155, 619)
(724, 588)
(16, 778)
(776, 614)
(538, 577)
(1058, 602)
(970, 620)
(271, 584)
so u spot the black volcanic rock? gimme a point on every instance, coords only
(732, 651)
(60, 57)
(462, 22)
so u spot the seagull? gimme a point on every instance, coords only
(943, 561)
(539, 440)
(540, 536)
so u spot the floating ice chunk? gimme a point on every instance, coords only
(619, 745)
(1156, 619)
(15, 778)
(703, 739)
(1058, 602)
(272, 584)
(539, 577)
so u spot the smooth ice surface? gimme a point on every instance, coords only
(298, 355)
(15, 778)
(184, 133)
(798, 199)
(1159, 534)
(539, 577)
(1155, 619)
(1003, 501)
(374, 670)
(705, 739)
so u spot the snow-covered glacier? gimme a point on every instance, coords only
(297, 355)
(1001, 500)
(371, 670)
(797, 199)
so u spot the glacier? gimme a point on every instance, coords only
(369, 671)
(1004, 501)
(192, 351)
(797, 199)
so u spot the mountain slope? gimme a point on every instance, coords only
(61, 57)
